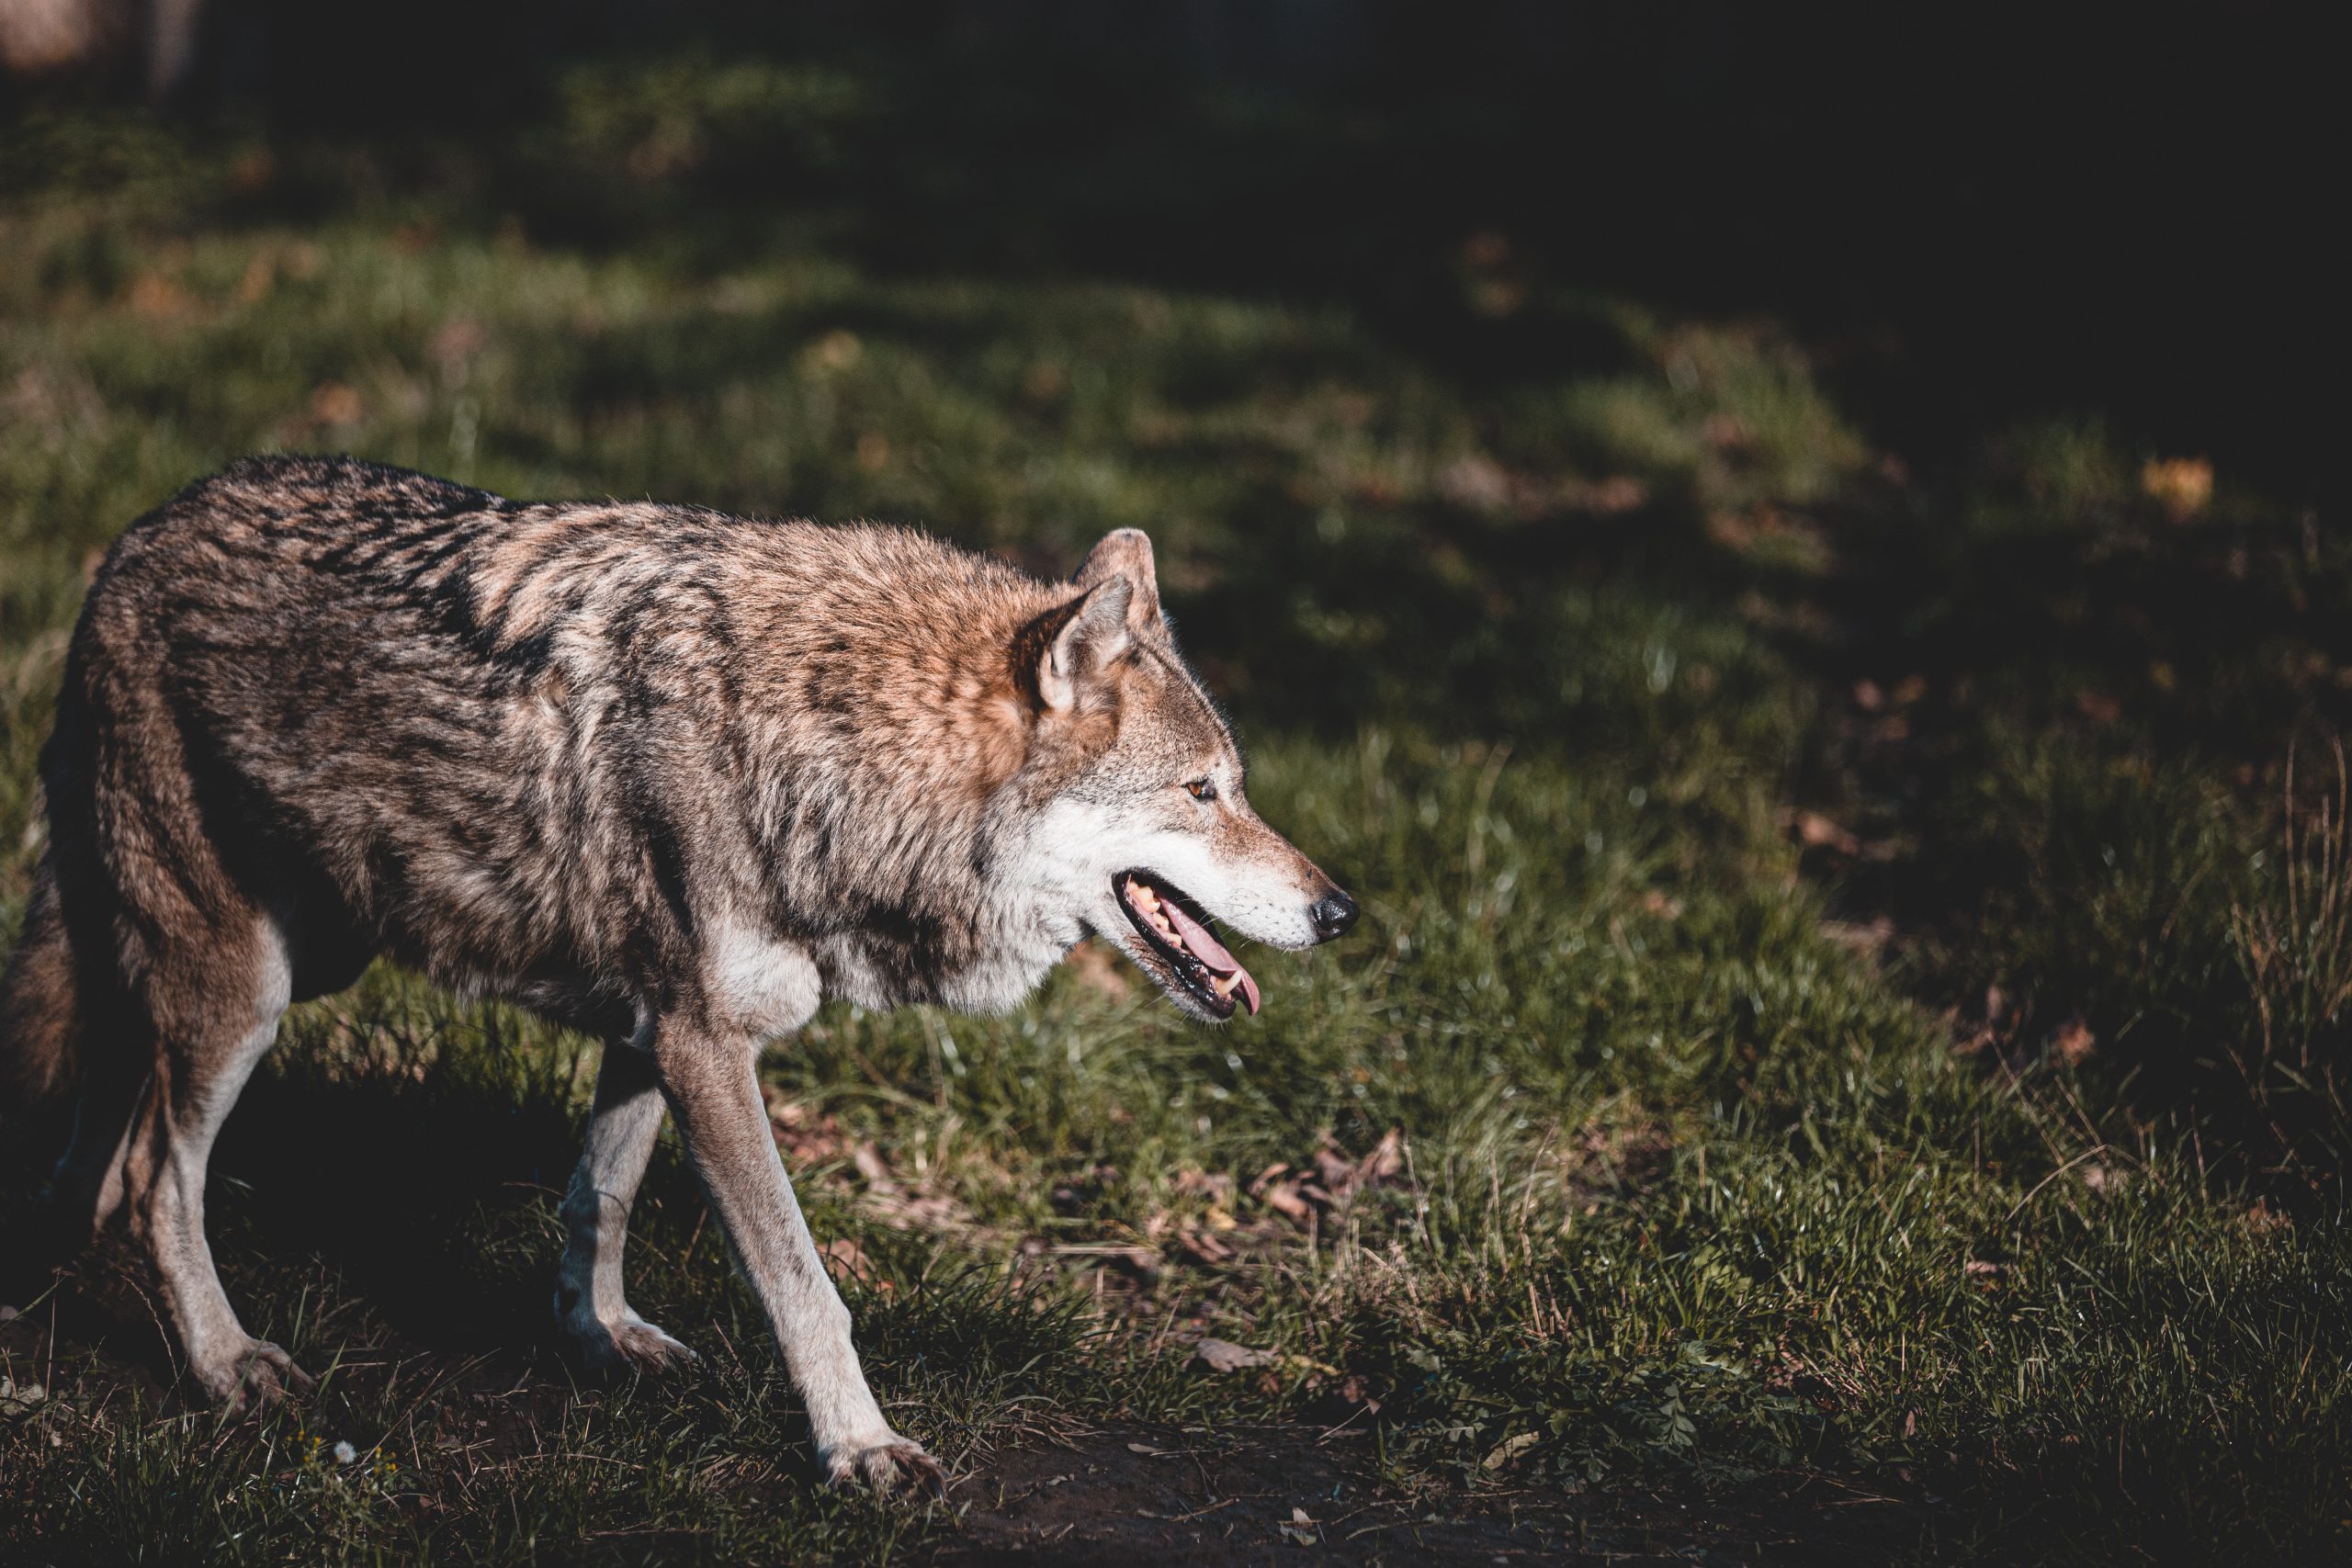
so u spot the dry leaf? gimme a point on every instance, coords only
(2182, 486)
(1225, 1356)
(1204, 1249)
(1475, 484)
(1099, 970)
(336, 402)
(1509, 1450)
(1818, 832)
(2098, 707)
(872, 1167)
(158, 297)
(2262, 1218)
(837, 350)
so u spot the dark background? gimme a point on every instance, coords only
(1976, 213)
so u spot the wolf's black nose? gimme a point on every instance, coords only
(1332, 915)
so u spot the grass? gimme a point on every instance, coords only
(1850, 988)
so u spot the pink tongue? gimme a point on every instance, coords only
(1210, 951)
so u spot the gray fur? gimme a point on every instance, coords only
(666, 775)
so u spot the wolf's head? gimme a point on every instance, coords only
(1140, 821)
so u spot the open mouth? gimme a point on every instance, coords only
(1177, 931)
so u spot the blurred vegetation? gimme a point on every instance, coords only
(1854, 962)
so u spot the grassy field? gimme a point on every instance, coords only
(1847, 1025)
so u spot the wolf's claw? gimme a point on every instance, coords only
(888, 1469)
(258, 1380)
(632, 1345)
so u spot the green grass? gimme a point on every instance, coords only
(1687, 1188)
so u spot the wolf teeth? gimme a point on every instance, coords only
(1149, 902)
(1223, 986)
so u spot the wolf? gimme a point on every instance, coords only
(666, 776)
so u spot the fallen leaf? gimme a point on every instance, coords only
(805, 1136)
(1618, 492)
(1726, 433)
(2098, 707)
(458, 340)
(872, 1167)
(1204, 1249)
(1225, 1356)
(1215, 1186)
(1510, 1449)
(157, 296)
(1475, 483)
(2262, 1218)
(2073, 1043)
(837, 350)
(1284, 1199)
(1486, 250)
(1818, 832)
(336, 402)
(1044, 381)
(1098, 971)
(260, 275)
(2182, 486)
(1386, 1159)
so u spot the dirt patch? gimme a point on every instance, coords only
(1130, 1495)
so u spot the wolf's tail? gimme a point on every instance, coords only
(41, 1012)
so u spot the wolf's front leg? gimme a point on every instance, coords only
(714, 1091)
(606, 1337)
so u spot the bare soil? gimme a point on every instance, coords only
(1128, 1496)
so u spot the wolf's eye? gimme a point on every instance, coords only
(1200, 789)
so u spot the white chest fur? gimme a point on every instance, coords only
(758, 983)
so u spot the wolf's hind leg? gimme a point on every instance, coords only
(86, 1190)
(213, 1013)
(714, 1093)
(590, 1305)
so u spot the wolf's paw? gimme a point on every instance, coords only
(256, 1378)
(895, 1466)
(629, 1346)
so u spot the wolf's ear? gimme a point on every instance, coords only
(1125, 552)
(1071, 643)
